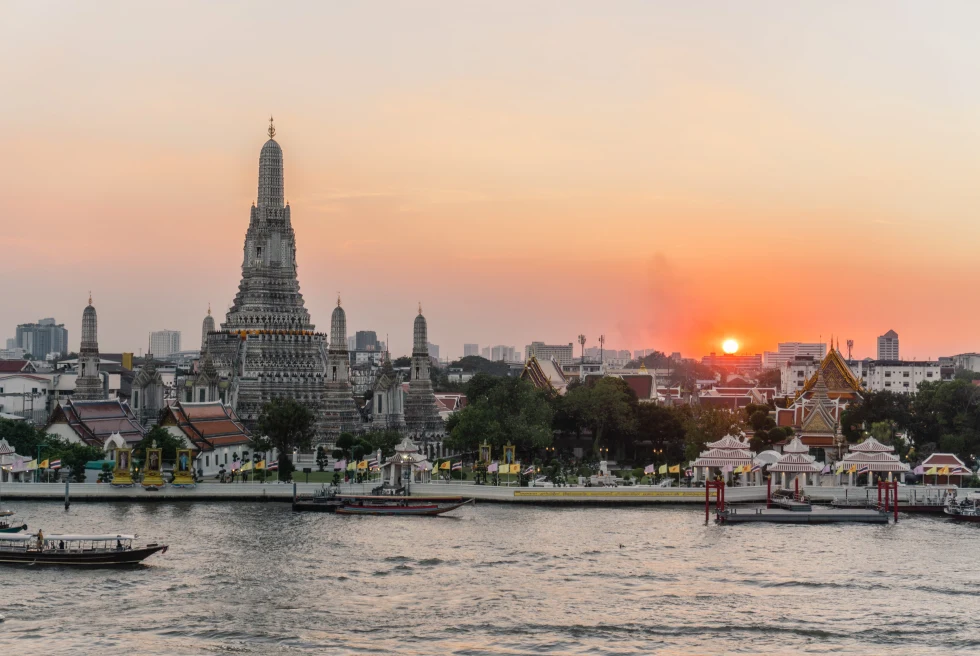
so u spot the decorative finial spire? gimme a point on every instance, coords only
(209, 308)
(272, 127)
(90, 297)
(420, 307)
(338, 299)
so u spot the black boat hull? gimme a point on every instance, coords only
(80, 558)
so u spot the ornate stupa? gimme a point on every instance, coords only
(267, 347)
(387, 404)
(88, 385)
(339, 409)
(421, 412)
(207, 327)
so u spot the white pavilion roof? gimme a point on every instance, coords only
(871, 445)
(796, 462)
(729, 442)
(796, 446)
(769, 457)
(877, 461)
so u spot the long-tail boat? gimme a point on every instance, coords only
(425, 506)
(74, 550)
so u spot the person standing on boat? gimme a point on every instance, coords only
(40, 539)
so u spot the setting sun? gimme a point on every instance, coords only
(729, 346)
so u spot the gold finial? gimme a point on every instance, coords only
(338, 299)
(209, 308)
(272, 127)
(90, 297)
(420, 307)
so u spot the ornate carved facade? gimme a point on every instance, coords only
(340, 410)
(421, 411)
(88, 385)
(267, 346)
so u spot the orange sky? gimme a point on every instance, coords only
(668, 174)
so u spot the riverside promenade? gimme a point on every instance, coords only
(560, 496)
(283, 492)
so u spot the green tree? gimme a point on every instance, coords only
(25, 438)
(705, 425)
(385, 440)
(284, 424)
(164, 440)
(403, 361)
(345, 442)
(770, 378)
(663, 426)
(478, 365)
(607, 407)
(512, 410)
(321, 458)
(74, 456)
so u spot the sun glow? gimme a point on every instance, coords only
(729, 346)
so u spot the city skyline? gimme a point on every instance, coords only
(620, 194)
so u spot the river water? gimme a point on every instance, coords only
(495, 579)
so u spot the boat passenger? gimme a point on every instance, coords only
(119, 546)
(61, 545)
(40, 539)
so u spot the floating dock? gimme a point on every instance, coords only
(815, 516)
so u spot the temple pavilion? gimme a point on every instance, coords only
(406, 465)
(726, 454)
(816, 411)
(878, 458)
(796, 460)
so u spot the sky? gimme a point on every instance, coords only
(667, 174)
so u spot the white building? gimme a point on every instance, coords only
(164, 342)
(786, 351)
(888, 346)
(471, 349)
(559, 352)
(901, 376)
(968, 361)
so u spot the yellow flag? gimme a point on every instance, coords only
(44, 464)
(362, 464)
(260, 464)
(515, 468)
(944, 471)
(445, 466)
(676, 469)
(32, 465)
(931, 471)
(351, 466)
(662, 470)
(853, 469)
(247, 467)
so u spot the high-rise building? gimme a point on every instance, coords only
(471, 349)
(164, 342)
(888, 346)
(434, 351)
(559, 352)
(503, 353)
(485, 352)
(366, 340)
(352, 343)
(11, 343)
(41, 338)
(786, 351)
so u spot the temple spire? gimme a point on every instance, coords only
(272, 127)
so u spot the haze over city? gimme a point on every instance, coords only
(670, 176)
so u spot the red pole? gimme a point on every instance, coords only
(769, 492)
(707, 498)
(796, 482)
(722, 488)
(895, 489)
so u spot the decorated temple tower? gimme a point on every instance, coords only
(388, 402)
(421, 411)
(207, 327)
(267, 346)
(339, 409)
(88, 385)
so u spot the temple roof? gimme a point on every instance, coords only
(796, 446)
(545, 374)
(729, 442)
(95, 421)
(942, 460)
(207, 425)
(837, 376)
(871, 445)
(796, 463)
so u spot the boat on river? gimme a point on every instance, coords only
(964, 510)
(331, 501)
(74, 550)
(426, 507)
(7, 526)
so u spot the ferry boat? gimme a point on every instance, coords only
(330, 500)
(74, 550)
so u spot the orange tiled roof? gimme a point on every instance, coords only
(207, 425)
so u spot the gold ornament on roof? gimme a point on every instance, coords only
(272, 127)
(90, 297)
(420, 307)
